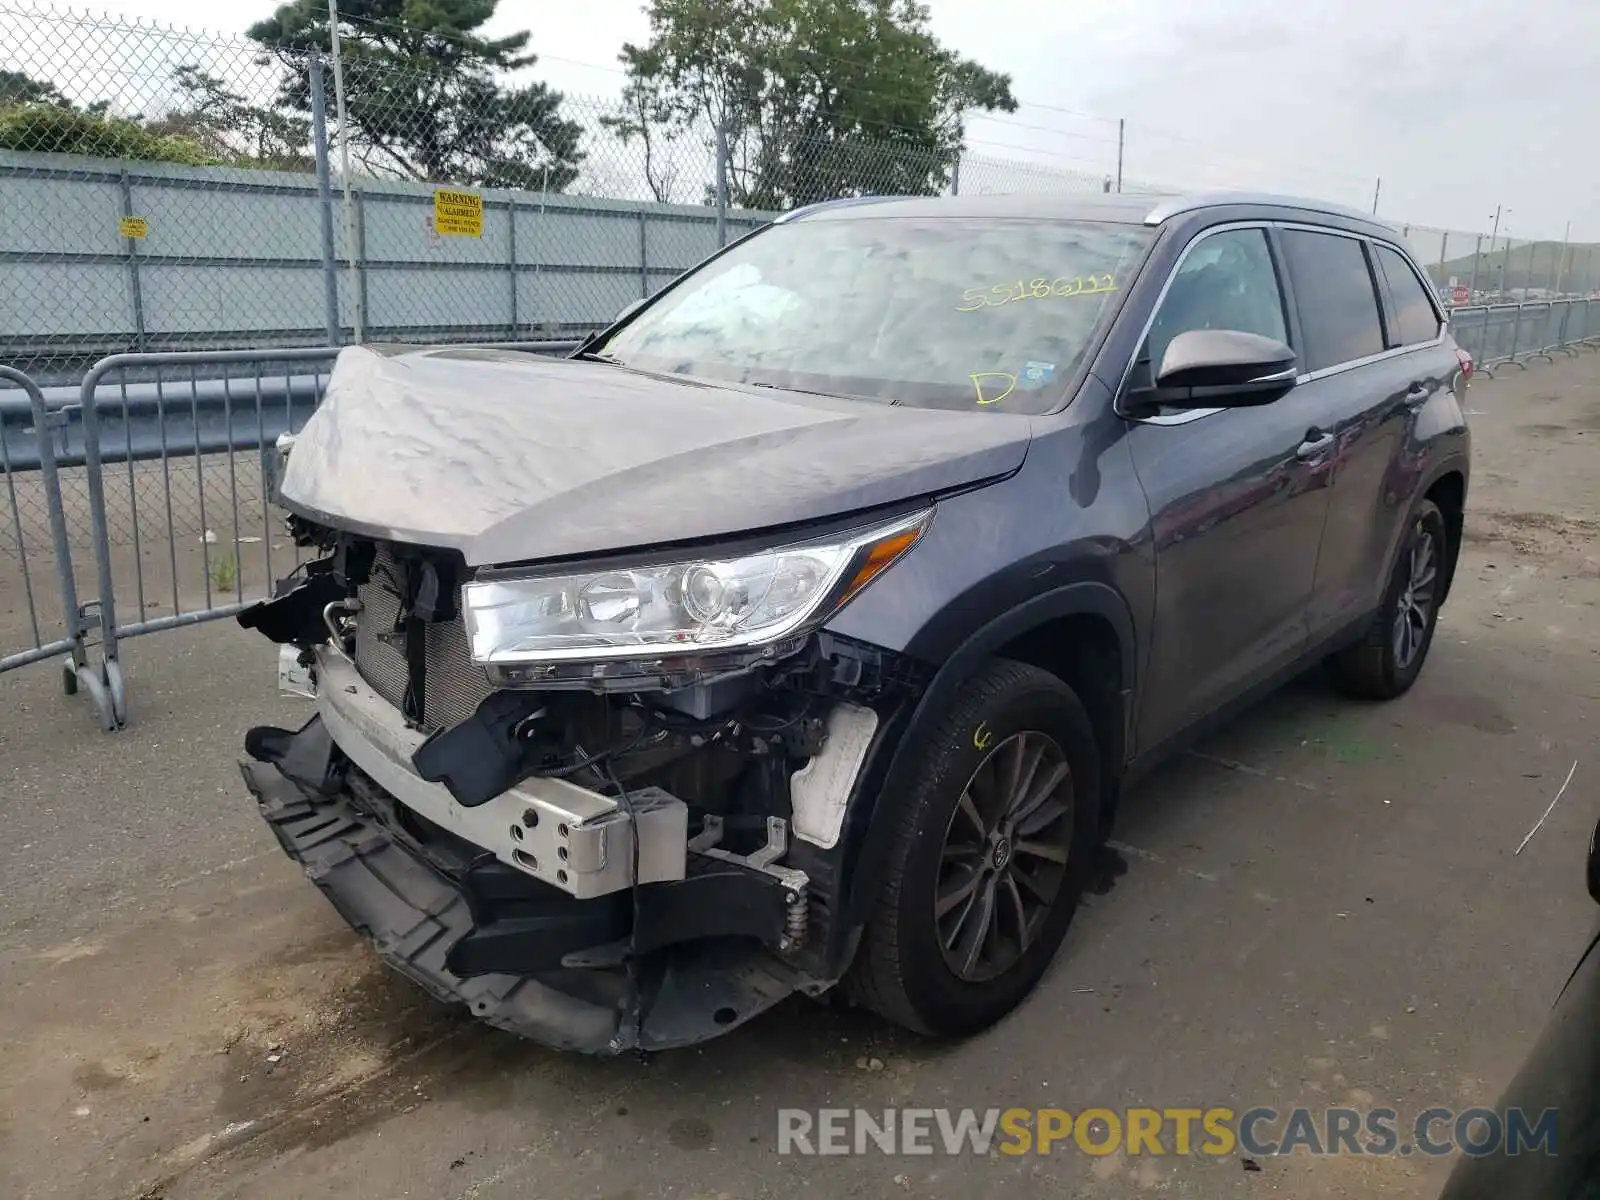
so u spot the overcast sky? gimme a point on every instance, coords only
(1457, 105)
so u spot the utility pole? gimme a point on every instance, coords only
(1505, 267)
(1375, 193)
(1121, 130)
(1492, 237)
(1561, 265)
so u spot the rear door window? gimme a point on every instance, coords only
(1334, 290)
(1415, 319)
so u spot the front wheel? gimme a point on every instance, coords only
(991, 848)
(1386, 662)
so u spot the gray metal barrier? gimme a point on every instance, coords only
(1497, 335)
(27, 499)
(188, 466)
(202, 493)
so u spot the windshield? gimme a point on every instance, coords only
(933, 312)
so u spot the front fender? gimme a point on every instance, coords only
(866, 838)
(1068, 535)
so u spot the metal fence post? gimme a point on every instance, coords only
(94, 475)
(75, 672)
(644, 256)
(511, 258)
(135, 292)
(722, 185)
(955, 175)
(1477, 251)
(360, 256)
(319, 141)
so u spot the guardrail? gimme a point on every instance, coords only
(162, 465)
(142, 420)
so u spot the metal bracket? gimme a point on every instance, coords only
(706, 844)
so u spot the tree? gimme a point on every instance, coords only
(61, 129)
(232, 130)
(423, 92)
(17, 87)
(818, 98)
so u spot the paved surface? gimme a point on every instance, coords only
(1323, 907)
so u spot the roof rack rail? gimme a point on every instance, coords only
(1171, 208)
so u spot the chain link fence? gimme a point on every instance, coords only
(170, 190)
(206, 207)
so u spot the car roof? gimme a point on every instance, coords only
(1148, 210)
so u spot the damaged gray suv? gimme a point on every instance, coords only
(802, 628)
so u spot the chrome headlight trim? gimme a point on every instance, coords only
(683, 606)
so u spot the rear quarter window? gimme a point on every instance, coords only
(1334, 291)
(1415, 319)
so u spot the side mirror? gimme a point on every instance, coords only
(1223, 368)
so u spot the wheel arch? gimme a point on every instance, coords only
(1448, 491)
(1068, 631)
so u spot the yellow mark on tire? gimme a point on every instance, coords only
(982, 739)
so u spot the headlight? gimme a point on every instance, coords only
(689, 606)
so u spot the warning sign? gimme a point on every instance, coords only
(458, 214)
(133, 227)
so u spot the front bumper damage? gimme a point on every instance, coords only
(598, 867)
(417, 916)
(521, 908)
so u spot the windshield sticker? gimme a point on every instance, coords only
(1035, 375)
(1035, 289)
(993, 386)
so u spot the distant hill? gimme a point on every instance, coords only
(1525, 265)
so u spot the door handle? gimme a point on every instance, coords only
(1316, 442)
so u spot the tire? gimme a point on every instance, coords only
(1381, 666)
(903, 969)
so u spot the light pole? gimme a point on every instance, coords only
(1505, 263)
(1493, 236)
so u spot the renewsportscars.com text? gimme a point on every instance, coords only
(1213, 1131)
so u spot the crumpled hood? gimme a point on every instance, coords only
(510, 457)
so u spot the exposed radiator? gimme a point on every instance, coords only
(455, 684)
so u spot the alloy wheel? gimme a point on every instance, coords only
(1005, 856)
(1415, 606)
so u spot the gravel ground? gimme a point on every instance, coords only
(1323, 907)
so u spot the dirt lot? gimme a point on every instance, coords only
(1324, 907)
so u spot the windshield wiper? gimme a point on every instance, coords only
(783, 387)
(599, 356)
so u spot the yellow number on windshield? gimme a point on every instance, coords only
(1040, 288)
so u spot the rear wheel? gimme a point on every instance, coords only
(991, 849)
(1386, 662)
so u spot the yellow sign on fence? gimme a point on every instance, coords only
(458, 214)
(133, 227)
